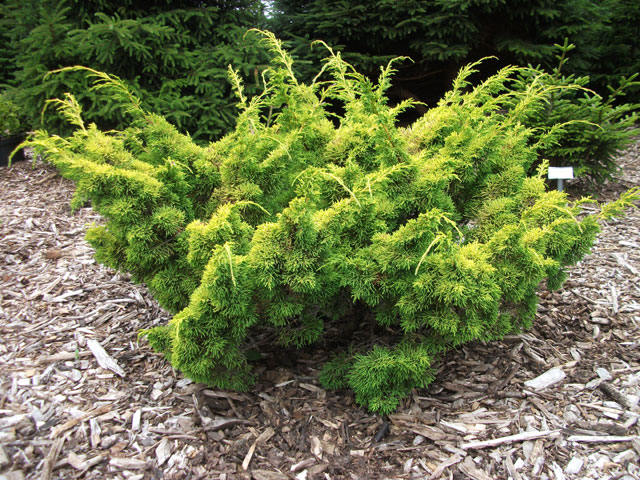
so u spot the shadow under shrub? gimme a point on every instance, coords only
(296, 220)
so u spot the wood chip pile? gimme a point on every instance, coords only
(80, 398)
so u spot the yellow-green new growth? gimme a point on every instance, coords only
(301, 225)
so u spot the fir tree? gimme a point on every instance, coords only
(590, 130)
(172, 54)
(614, 46)
(439, 36)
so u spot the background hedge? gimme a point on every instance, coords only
(173, 54)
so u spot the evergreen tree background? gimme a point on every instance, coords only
(443, 35)
(173, 55)
(615, 39)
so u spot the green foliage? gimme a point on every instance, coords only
(614, 43)
(296, 222)
(172, 54)
(10, 123)
(589, 130)
(439, 36)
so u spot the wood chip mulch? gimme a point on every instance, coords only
(81, 398)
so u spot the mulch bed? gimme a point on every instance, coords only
(81, 398)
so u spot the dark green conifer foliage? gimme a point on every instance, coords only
(172, 54)
(614, 45)
(439, 36)
(591, 130)
(291, 222)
